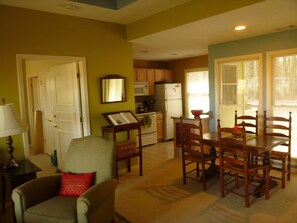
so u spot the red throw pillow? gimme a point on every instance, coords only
(75, 184)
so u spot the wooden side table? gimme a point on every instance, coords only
(17, 176)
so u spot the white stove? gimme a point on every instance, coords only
(148, 127)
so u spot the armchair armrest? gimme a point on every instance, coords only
(35, 191)
(97, 202)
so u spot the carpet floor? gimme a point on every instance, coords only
(160, 196)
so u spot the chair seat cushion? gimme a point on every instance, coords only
(57, 209)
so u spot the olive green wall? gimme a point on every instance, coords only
(103, 45)
(261, 44)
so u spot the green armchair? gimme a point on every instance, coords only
(38, 200)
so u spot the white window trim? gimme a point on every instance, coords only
(269, 56)
(217, 78)
(186, 81)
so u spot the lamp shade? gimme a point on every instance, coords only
(10, 121)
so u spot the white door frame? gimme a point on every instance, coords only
(21, 58)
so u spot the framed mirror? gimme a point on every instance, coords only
(113, 88)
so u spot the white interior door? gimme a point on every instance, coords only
(47, 111)
(66, 109)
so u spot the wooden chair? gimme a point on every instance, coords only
(280, 156)
(194, 158)
(248, 121)
(232, 143)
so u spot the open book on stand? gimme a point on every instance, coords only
(122, 118)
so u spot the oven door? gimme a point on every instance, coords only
(148, 128)
(148, 123)
(148, 139)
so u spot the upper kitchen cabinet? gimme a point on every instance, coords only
(140, 75)
(163, 75)
(152, 76)
(168, 76)
(151, 80)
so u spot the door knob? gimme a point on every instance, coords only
(55, 125)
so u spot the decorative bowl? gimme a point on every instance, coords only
(237, 131)
(196, 113)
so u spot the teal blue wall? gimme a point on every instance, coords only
(261, 44)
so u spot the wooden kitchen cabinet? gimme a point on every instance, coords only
(140, 75)
(163, 75)
(159, 126)
(168, 76)
(153, 76)
(151, 80)
(159, 75)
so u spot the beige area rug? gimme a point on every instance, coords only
(160, 196)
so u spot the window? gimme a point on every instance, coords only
(281, 88)
(238, 87)
(197, 90)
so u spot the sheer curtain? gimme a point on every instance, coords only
(197, 90)
(283, 90)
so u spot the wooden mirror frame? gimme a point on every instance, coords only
(113, 89)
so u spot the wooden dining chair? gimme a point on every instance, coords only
(248, 121)
(232, 143)
(195, 160)
(280, 156)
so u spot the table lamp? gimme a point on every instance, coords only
(10, 124)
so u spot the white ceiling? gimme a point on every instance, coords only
(184, 41)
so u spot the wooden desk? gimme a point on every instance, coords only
(25, 172)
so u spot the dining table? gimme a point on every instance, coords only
(262, 144)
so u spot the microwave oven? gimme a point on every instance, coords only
(141, 88)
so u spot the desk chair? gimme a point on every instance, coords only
(232, 143)
(280, 156)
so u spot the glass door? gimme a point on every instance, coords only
(238, 88)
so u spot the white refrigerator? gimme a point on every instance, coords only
(168, 99)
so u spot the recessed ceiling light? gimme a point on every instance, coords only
(241, 27)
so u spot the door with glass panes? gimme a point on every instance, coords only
(239, 88)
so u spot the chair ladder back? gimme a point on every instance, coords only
(231, 144)
(282, 127)
(278, 126)
(235, 163)
(248, 121)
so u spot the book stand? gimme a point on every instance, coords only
(127, 149)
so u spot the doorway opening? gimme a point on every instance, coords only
(34, 66)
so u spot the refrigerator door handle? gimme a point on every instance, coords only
(166, 106)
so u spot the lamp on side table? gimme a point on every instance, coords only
(10, 124)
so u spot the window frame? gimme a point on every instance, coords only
(200, 69)
(230, 60)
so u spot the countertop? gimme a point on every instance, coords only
(208, 115)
